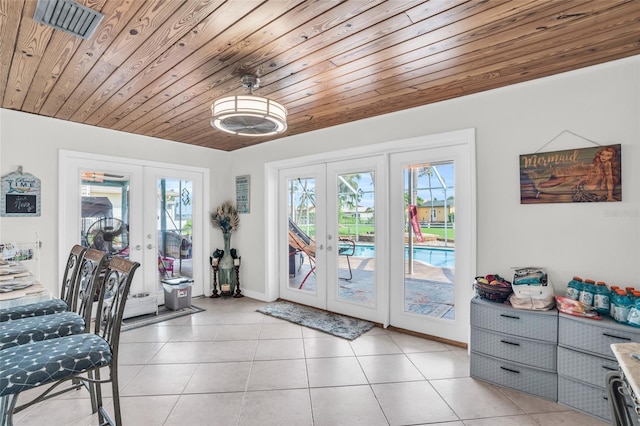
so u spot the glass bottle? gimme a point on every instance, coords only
(573, 288)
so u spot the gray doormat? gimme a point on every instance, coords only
(338, 325)
(164, 314)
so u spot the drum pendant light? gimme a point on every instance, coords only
(249, 115)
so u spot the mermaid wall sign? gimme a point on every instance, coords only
(572, 176)
(20, 194)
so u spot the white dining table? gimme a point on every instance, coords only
(19, 287)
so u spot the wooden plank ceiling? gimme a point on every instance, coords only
(154, 67)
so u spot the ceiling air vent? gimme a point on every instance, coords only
(68, 16)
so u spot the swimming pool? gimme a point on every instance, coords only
(441, 257)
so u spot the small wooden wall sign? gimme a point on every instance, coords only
(572, 176)
(20, 195)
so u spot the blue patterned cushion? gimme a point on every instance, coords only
(34, 329)
(27, 366)
(47, 307)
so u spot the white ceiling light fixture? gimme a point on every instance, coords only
(249, 115)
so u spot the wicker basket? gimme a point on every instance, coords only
(495, 293)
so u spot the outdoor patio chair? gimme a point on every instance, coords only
(68, 293)
(44, 327)
(71, 359)
(347, 248)
(301, 242)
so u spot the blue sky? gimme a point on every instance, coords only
(446, 172)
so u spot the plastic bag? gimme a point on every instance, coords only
(532, 289)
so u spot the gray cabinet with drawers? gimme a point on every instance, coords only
(585, 358)
(515, 348)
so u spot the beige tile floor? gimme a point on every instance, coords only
(231, 366)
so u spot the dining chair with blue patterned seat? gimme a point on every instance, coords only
(68, 293)
(45, 327)
(52, 363)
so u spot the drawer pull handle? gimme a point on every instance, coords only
(510, 370)
(606, 367)
(510, 343)
(616, 337)
(509, 316)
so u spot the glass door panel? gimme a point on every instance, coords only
(356, 238)
(430, 226)
(174, 210)
(429, 255)
(105, 212)
(302, 235)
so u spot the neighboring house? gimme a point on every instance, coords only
(363, 213)
(436, 211)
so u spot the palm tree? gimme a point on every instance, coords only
(301, 198)
(428, 171)
(349, 195)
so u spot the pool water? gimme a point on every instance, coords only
(440, 257)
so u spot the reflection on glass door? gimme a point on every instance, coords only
(105, 212)
(356, 238)
(431, 232)
(301, 208)
(302, 236)
(174, 212)
(356, 253)
(429, 252)
(332, 256)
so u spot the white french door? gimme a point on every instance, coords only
(356, 232)
(379, 197)
(173, 198)
(431, 228)
(146, 213)
(327, 211)
(302, 236)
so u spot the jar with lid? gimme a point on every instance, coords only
(586, 294)
(601, 301)
(573, 288)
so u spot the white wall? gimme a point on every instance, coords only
(598, 240)
(33, 142)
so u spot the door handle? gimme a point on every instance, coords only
(138, 247)
(329, 248)
(149, 246)
(320, 247)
